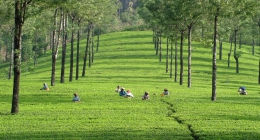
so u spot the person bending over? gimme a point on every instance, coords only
(45, 87)
(122, 92)
(76, 98)
(145, 96)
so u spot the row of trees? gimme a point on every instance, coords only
(39, 25)
(211, 22)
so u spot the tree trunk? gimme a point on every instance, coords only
(189, 55)
(90, 46)
(167, 53)
(229, 54)
(214, 59)
(171, 58)
(71, 49)
(64, 47)
(181, 57)
(20, 9)
(77, 59)
(235, 51)
(160, 47)
(92, 43)
(55, 46)
(157, 43)
(86, 52)
(176, 60)
(237, 64)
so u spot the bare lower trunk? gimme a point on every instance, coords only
(167, 54)
(214, 59)
(64, 48)
(181, 57)
(55, 47)
(176, 60)
(77, 60)
(86, 52)
(19, 19)
(189, 56)
(71, 49)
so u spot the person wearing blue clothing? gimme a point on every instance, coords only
(45, 87)
(166, 92)
(242, 90)
(122, 92)
(76, 98)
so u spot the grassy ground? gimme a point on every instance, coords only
(128, 59)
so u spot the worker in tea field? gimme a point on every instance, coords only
(45, 87)
(76, 98)
(129, 94)
(242, 90)
(165, 92)
(122, 92)
(117, 89)
(145, 96)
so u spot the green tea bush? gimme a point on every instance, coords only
(128, 59)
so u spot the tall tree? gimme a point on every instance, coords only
(73, 18)
(55, 44)
(20, 7)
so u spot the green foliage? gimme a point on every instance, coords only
(128, 59)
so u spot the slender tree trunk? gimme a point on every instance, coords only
(90, 46)
(176, 60)
(160, 47)
(72, 48)
(171, 59)
(55, 45)
(86, 52)
(235, 52)
(229, 54)
(167, 53)
(77, 60)
(189, 55)
(181, 57)
(214, 59)
(237, 65)
(92, 43)
(64, 47)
